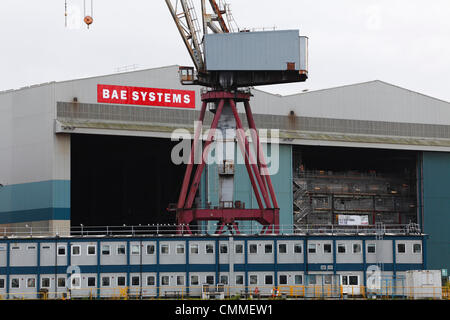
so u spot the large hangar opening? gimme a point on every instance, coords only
(117, 180)
(354, 186)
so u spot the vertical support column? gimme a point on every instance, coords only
(8, 266)
(200, 167)
(334, 257)
(394, 264)
(364, 263)
(38, 266)
(254, 166)
(246, 264)
(128, 264)
(56, 267)
(419, 191)
(69, 263)
(424, 252)
(187, 175)
(99, 263)
(245, 150)
(187, 266)
(217, 260)
(252, 125)
(69, 254)
(157, 269)
(275, 261)
(305, 255)
(231, 261)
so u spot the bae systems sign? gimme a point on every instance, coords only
(146, 96)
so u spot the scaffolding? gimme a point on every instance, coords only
(323, 197)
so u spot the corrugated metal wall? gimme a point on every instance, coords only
(269, 50)
(436, 203)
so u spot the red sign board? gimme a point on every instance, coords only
(145, 96)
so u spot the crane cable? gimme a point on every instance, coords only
(88, 19)
(65, 13)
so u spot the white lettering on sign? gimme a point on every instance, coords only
(146, 96)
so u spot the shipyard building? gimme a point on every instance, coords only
(98, 152)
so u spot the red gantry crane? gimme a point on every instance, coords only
(227, 62)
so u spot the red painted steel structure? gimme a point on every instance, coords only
(267, 213)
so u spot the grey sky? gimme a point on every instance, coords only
(403, 42)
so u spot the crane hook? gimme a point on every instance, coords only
(88, 18)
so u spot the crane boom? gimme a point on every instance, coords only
(219, 18)
(184, 14)
(187, 24)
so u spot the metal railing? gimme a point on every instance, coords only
(403, 229)
(205, 229)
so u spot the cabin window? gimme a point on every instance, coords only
(417, 248)
(253, 249)
(135, 249)
(45, 282)
(238, 248)
(401, 248)
(15, 283)
(180, 248)
(312, 248)
(341, 248)
(353, 280)
(165, 249)
(121, 249)
(356, 248)
(327, 248)
(194, 248)
(223, 248)
(239, 279)
(91, 281)
(135, 280)
(165, 280)
(106, 281)
(180, 280)
(282, 248)
(253, 279)
(151, 280)
(224, 279)
(283, 279)
(268, 248)
(61, 282)
(61, 250)
(209, 248)
(371, 248)
(31, 283)
(76, 250)
(194, 280)
(106, 249)
(150, 249)
(91, 250)
(268, 279)
(121, 281)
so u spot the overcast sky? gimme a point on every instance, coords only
(403, 42)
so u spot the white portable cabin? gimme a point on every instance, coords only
(424, 284)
